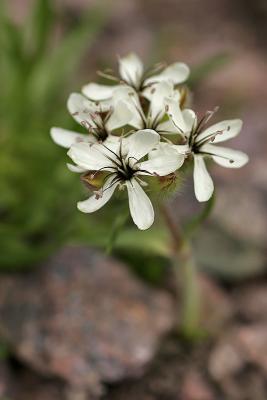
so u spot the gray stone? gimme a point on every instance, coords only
(83, 317)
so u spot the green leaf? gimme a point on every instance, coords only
(38, 28)
(10, 38)
(54, 71)
(38, 194)
(4, 351)
(154, 241)
(94, 230)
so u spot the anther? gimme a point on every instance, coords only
(98, 194)
(86, 124)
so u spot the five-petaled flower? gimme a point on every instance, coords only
(132, 73)
(200, 143)
(125, 164)
(100, 120)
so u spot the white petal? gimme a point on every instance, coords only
(173, 93)
(97, 92)
(225, 157)
(182, 148)
(129, 95)
(141, 208)
(162, 161)
(74, 168)
(175, 73)
(110, 147)
(81, 109)
(190, 119)
(131, 69)
(167, 127)
(176, 115)
(157, 100)
(66, 138)
(122, 92)
(141, 143)
(203, 183)
(90, 157)
(225, 130)
(94, 202)
(112, 139)
(120, 117)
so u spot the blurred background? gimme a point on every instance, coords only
(51, 48)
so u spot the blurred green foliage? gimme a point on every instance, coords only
(207, 67)
(38, 195)
(4, 350)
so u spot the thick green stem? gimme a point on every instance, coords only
(190, 291)
(186, 276)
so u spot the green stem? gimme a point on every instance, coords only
(190, 291)
(116, 229)
(186, 277)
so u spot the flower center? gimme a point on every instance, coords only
(194, 142)
(126, 173)
(101, 135)
(123, 167)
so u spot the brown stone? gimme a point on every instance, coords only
(242, 346)
(251, 302)
(216, 306)
(251, 209)
(83, 317)
(253, 341)
(226, 359)
(195, 387)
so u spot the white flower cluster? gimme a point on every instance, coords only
(137, 128)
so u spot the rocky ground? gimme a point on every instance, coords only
(82, 327)
(82, 317)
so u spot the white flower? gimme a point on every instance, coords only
(124, 164)
(99, 120)
(200, 143)
(153, 118)
(131, 72)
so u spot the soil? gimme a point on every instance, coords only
(231, 365)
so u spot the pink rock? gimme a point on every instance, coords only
(83, 317)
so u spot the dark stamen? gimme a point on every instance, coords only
(113, 152)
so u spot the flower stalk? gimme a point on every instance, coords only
(117, 227)
(185, 272)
